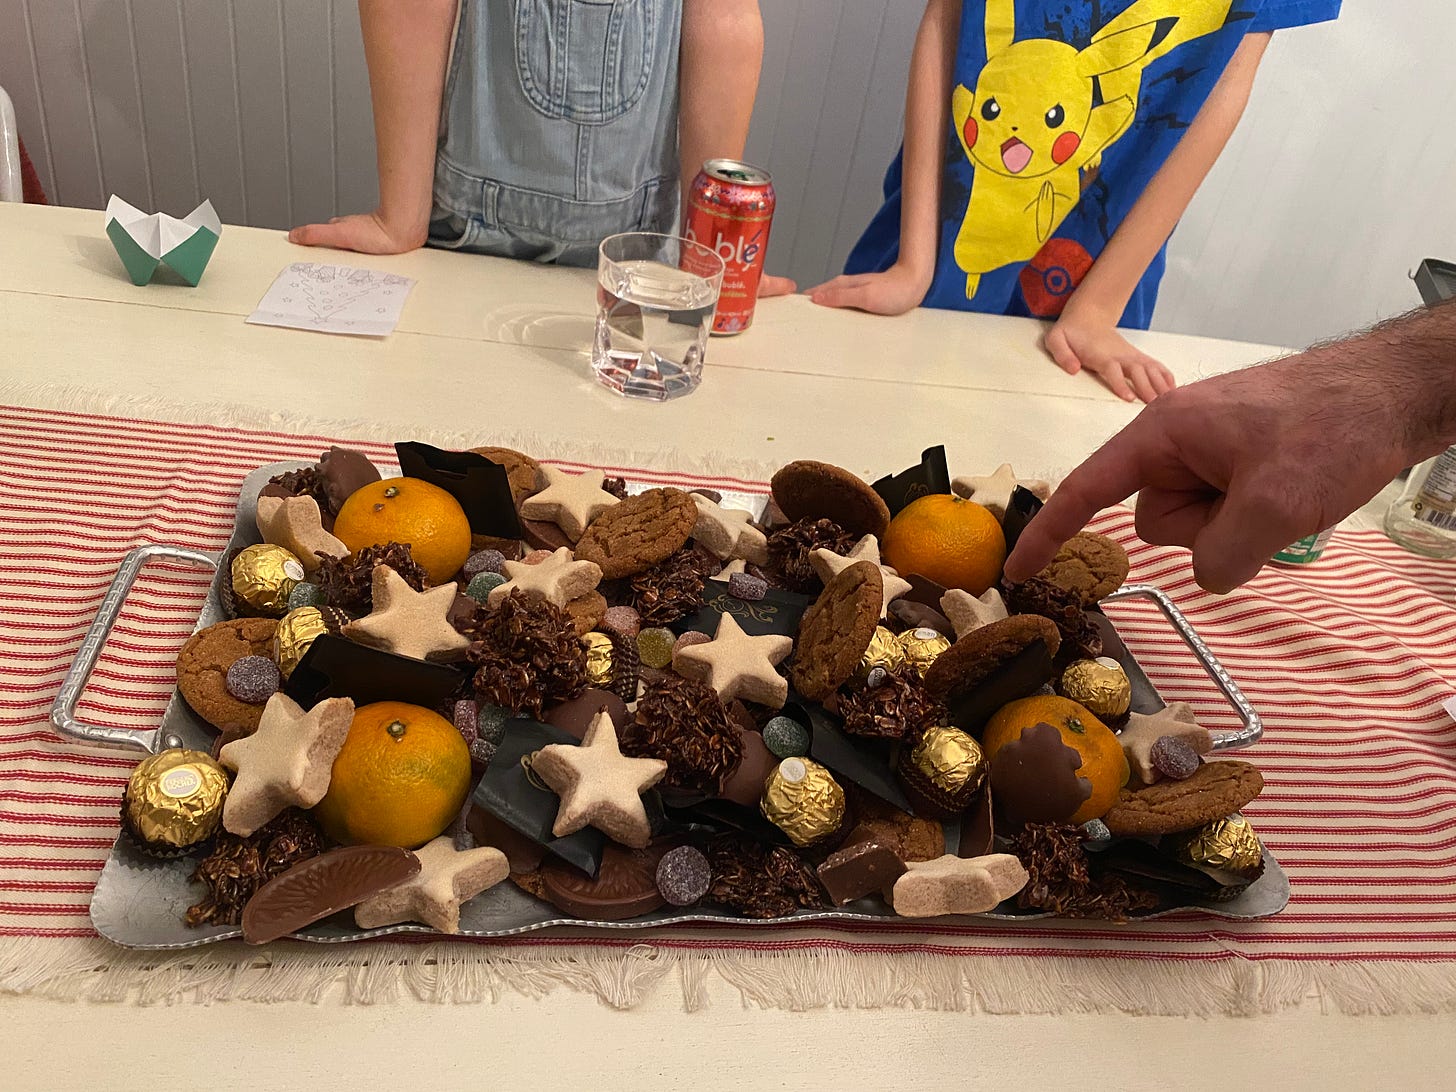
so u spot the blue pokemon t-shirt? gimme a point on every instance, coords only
(1062, 111)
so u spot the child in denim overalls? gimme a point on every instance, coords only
(564, 121)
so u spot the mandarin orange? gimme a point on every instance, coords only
(947, 539)
(417, 513)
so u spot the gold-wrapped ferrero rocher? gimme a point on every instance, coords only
(1228, 844)
(803, 800)
(173, 800)
(921, 646)
(942, 772)
(600, 659)
(297, 631)
(263, 576)
(884, 651)
(1101, 685)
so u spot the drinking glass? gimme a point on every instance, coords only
(656, 295)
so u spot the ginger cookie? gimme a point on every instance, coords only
(980, 652)
(836, 630)
(635, 534)
(806, 489)
(1089, 565)
(202, 668)
(1215, 790)
(587, 611)
(912, 837)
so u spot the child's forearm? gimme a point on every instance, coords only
(927, 109)
(407, 47)
(1123, 261)
(722, 52)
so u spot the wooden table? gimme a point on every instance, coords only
(491, 348)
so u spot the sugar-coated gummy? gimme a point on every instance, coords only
(654, 645)
(483, 561)
(746, 586)
(1095, 830)
(690, 638)
(683, 876)
(306, 594)
(467, 719)
(490, 722)
(1174, 757)
(482, 584)
(253, 679)
(786, 737)
(623, 620)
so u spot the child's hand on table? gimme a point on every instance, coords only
(1086, 340)
(367, 233)
(893, 292)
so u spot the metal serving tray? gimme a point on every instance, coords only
(139, 902)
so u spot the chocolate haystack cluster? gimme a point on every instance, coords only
(348, 582)
(758, 881)
(237, 867)
(789, 549)
(304, 482)
(897, 708)
(526, 654)
(1080, 637)
(1059, 882)
(685, 724)
(669, 590)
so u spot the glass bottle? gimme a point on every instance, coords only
(1423, 517)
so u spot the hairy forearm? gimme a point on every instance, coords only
(407, 48)
(722, 52)
(927, 108)
(1123, 261)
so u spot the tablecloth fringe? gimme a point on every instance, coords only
(589, 450)
(449, 973)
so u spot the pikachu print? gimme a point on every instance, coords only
(1043, 111)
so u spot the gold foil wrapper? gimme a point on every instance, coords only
(950, 759)
(921, 646)
(884, 651)
(175, 798)
(1229, 844)
(600, 659)
(803, 800)
(1101, 685)
(264, 575)
(296, 632)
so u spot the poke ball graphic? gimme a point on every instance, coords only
(1048, 280)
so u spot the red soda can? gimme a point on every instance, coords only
(730, 210)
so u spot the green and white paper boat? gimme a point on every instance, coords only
(146, 241)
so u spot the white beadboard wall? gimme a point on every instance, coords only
(1336, 185)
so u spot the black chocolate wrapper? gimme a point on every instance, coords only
(931, 476)
(1145, 865)
(923, 590)
(978, 829)
(1144, 696)
(867, 763)
(506, 792)
(1023, 505)
(721, 817)
(481, 486)
(778, 612)
(1022, 675)
(335, 667)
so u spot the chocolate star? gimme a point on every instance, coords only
(737, 665)
(956, 885)
(447, 878)
(828, 565)
(993, 491)
(296, 524)
(967, 613)
(570, 501)
(407, 622)
(727, 532)
(1143, 730)
(557, 579)
(286, 763)
(599, 786)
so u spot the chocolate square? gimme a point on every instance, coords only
(335, 667)
(865, 868)
(509, 794)
(481, 486)
(930, 476)
(778, 612)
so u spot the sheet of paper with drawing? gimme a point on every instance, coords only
(334, 299)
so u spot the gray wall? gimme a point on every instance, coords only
(1336, 185)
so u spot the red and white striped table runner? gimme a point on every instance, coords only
(1348, 660)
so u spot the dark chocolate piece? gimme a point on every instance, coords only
(866, 868)
(512, 796)
(313, 889)
(625, 886)
(745, 784)
(1023, 674)
(482, 487)
(1023, 505)
(930, 476)
(343, 471)
(523, 854)
(978, 828)
(1035, 778)
(778, 612)
(913, 615)
(334, 667)
(575, 716)
(923, 590)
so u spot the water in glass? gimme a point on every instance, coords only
(652, 328)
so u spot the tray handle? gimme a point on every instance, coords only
(1253, 727)
(63, 709)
